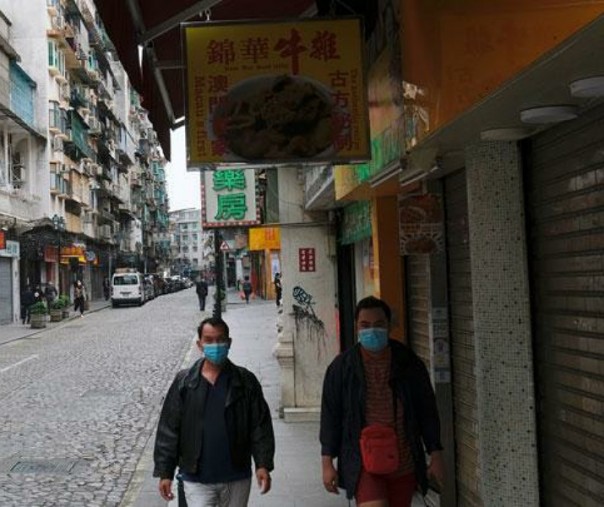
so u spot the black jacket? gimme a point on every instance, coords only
(179, 432)
(343, 411)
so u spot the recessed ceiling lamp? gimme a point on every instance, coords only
(588, 87)
(506, 134)
(548, 114)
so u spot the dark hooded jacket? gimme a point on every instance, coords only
(179, 432)
(343, 411)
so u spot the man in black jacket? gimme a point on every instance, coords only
(201, 288)
(213, 422)
(379, 383)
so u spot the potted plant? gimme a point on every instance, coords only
(56, 310)
(38, 312)
(66, 303)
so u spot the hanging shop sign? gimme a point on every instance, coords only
(73, 252)
(2, 240)
(356, 222)
(10, 249)
(421, 224)
(51, 253)
(265, 238)
(267, 92)
(228, 198)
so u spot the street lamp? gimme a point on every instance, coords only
(58, 224)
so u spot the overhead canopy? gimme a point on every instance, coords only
(154, 25)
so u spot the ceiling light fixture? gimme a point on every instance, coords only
(548, 114)
(506, 134)
(588, 87)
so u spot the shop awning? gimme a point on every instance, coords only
(154, 26)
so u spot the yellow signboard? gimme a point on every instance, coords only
(276, 92)
(265, 238)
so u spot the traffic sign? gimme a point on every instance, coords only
(224, 247)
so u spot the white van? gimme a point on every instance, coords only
(127, 288)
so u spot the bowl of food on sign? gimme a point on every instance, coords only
(278, 117)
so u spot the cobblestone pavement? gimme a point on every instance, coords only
(78, 402)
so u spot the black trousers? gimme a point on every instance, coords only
(78, 304)
(202, 302)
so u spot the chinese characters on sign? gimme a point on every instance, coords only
(306, 259)
(421, 225)
(265, 238)
(276, 92)
(229, 198)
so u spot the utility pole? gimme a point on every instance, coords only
(218, 280)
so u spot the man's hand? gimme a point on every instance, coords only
(264, 480)
(165, 489)
(330, 475)
(436, 469)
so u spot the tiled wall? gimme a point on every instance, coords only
(500, 290)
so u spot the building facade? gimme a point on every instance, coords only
(189, 242)
(82, 184)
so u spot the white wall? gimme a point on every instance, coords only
(308, 338)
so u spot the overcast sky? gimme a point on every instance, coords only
(183, 186)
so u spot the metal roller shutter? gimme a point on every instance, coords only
(6, 291)
(418, 296)
(462, 341)
(565, 202)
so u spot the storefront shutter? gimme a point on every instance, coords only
(565, 201)
(418, 297)
(6, 291)
(462, 341)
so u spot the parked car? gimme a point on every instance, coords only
(149, 288)
(177, 283)
(127, 287)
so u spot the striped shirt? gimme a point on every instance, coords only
(379, 402)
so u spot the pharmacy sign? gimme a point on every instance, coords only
(228, 198)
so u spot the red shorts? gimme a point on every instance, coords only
(397, 489)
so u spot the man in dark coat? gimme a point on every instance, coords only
(379, 383)
(201, 288)
(27, 299)
(214, 421)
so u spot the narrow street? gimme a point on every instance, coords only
(78, 401)
(79, 405)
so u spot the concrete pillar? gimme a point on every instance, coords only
(307, 333)
(502, 322)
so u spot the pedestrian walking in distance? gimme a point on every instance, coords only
(214, 421)
(79, 295)
(379, 390)
(278, 288)
(50, 293)
(246, 287)
(27, 299)
(201, 287)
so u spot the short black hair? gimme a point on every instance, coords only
(214, 322)
(371, 302)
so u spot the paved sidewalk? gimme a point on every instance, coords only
(12, 332)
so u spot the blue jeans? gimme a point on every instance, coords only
(223, 494)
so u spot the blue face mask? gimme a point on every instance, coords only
(216, 352)
(373, 339)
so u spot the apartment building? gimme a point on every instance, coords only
(189, 242)
(82, 183)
